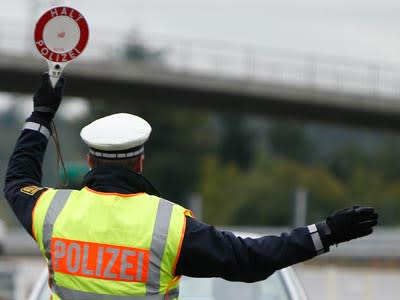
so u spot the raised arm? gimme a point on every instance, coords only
(24, 174)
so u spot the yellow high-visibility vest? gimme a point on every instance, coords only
(108, 245)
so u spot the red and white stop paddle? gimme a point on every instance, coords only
(61, 35)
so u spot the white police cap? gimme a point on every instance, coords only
(116, 136)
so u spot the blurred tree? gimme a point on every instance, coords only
(289, 140)
(365, 186)
(235, 144)
(347, 159)
(263, 195)
(387, 158)
(217, 187)
(387, 204)
(178, 142)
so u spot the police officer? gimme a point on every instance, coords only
(116, 238)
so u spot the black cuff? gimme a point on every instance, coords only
(325, 233)
(41, 118)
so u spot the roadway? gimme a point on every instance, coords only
(333, 282)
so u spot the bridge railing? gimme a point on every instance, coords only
(242, 62)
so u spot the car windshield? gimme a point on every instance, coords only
(272, 288)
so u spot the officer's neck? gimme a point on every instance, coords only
(118, 180)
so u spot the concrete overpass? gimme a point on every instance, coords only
(309, 96)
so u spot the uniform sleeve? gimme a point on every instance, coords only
(208, 252)
(22, 185)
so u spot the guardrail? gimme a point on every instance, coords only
(251, 63)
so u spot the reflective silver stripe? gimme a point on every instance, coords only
(114, 255)
(174, 293)
(59, 251)
(140, 266)
(56, 205)
(37, 127)
(116, 155)
(85, 269)
(319, 247)
(65, 293)
(73, 259)
(99, 261)
(125, 265)
(157, 247)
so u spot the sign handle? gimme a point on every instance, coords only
(55, 71)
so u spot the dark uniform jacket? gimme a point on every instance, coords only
(206, 251)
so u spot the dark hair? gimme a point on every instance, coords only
(101, 162)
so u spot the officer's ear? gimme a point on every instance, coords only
(139, 164)
(89, 161)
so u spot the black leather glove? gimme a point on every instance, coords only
(351, 223)
(47, 99)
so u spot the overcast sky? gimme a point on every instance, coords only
(363, 29)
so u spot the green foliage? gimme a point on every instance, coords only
(289, 140)
(218, 186)
(263, 195)
(173, 154)
(235, 142)
(348, 159)
(365, 171)
(388, 204)
(387, 158)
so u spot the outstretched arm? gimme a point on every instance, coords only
(208, 252)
